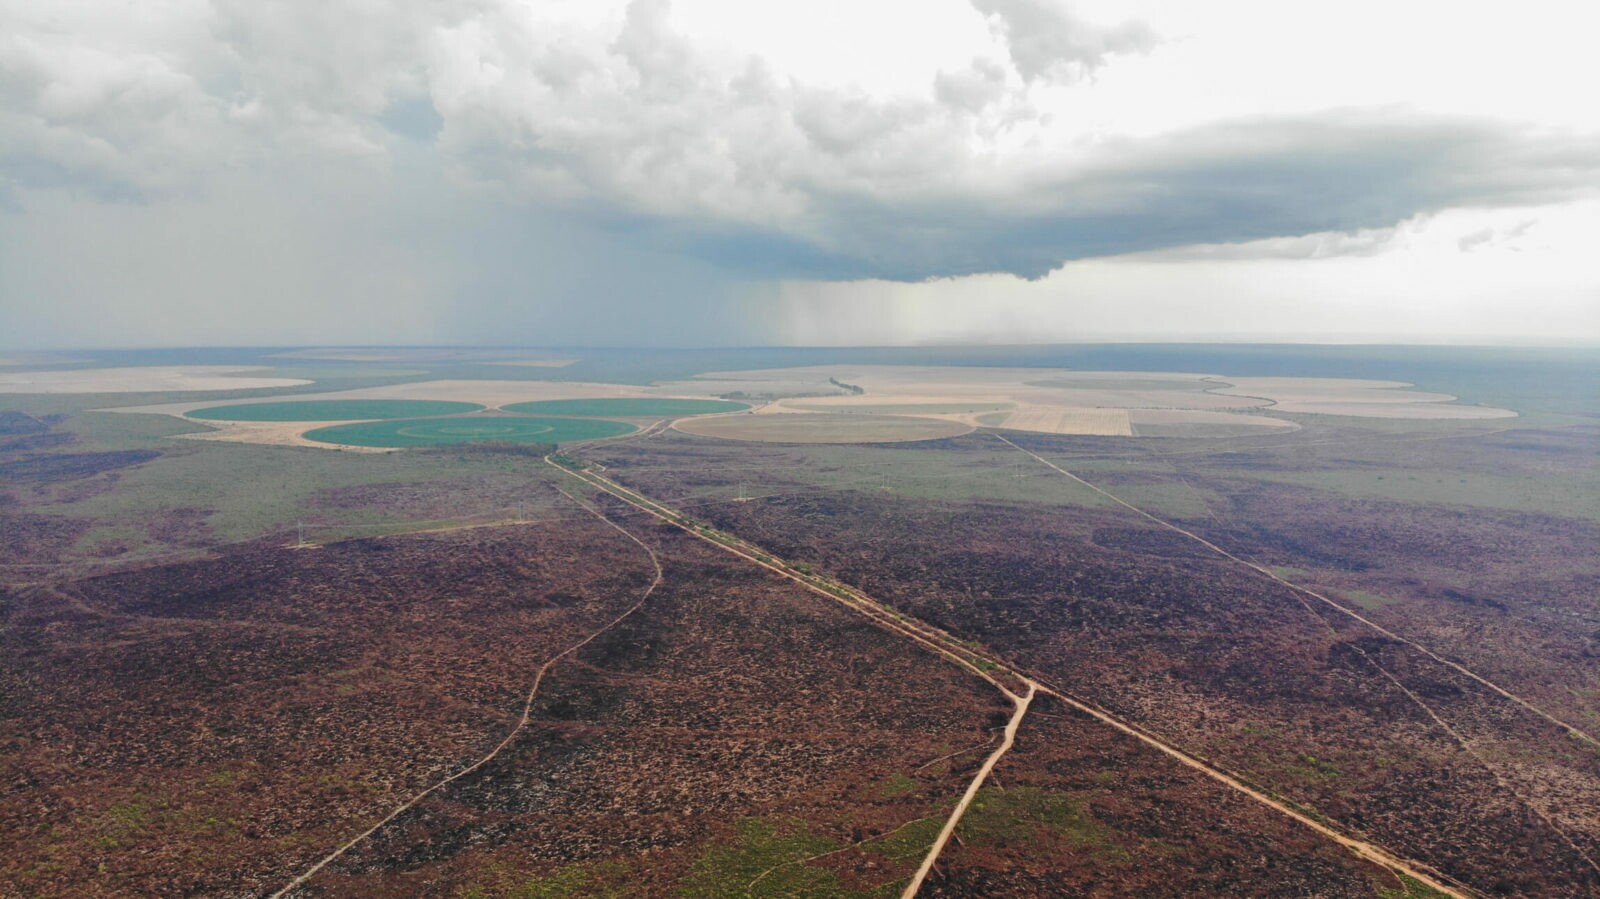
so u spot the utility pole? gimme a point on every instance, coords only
(300, 531)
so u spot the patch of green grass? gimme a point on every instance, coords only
(251, 489)
(412, 432)
(1575, 496)
(1021, 815)
(626, 407)
(590, 879)
(910, 842)
(1313, 768)
(1413, 889)
(103, 539)
(102, 431)
(905, 408)
(333, 410)
(1372, 602)
(896, 785)
(760, 845)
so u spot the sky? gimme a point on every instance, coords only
(714, 172)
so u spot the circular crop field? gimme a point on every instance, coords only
(627, 407)
(803, 427)
(441, 431)
(332, 410)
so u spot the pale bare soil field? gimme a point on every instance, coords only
(270, 433)
(1203, 423)
(1055, 401)
(947, 400)
(1366, 399)
(486, 393)
(822, 428)
(143, 379)
(1066, 420)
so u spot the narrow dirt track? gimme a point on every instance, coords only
(1267, 572)
(522, 722)
(949, 828)
(975, 661)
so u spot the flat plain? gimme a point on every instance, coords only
(1313, 654)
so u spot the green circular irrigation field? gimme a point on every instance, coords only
(626, 407)
(438, 431)
(333, 410)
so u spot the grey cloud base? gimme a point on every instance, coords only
(665, 143)
(1224, 184)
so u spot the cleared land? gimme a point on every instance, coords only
(145, 379)
(1362, 399)
(333, 410)
(1203, 423)
(626, 407)
(822, 428)
(441, 431)
(1057, 420)
(1050, 401)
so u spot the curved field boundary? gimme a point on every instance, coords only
(333, 410)
(627, 407)
(522, 722)
(986, 665)
(823, 427)
(404, 433)
(1267, 572)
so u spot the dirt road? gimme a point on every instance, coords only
(522, 721)
(986, 665)
(949, 828)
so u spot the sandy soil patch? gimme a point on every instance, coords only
(1067, 390)
(272, 433)
(1364, 399)
(487, 393)
(1203, 423)
(822, 427)
(1419, 411)
(143, 379)
(1058, 420)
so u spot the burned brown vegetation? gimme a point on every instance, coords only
(1278, 686)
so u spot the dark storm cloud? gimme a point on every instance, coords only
(1227, 183)
(634, 126)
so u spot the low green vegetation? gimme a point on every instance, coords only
(1312, 768)
(333, 410)
(1021, 815)
(244, 490)
(904, 408)
(1577, 496)
(1372, 602)
(626, 407)
(764, 846)
(909, 843)
(476, 429)
(896, 785)
(1411, 888)
(593, 880)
